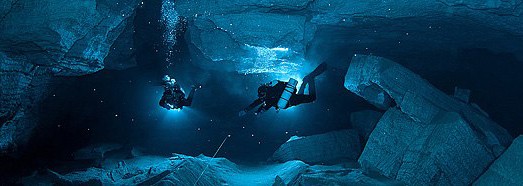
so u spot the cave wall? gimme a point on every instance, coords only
(44, 39)
(22, 84)
(219, 31)
(40, 40)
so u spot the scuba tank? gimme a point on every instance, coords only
(290, 88)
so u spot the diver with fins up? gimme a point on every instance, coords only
(282, 95)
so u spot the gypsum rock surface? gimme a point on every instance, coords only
(121, 54)
(178, 170)
(445, 152)
(331, 147)
(338, 175)
(70, 37)
(507, 169)
(364, 122)
(415, 96)
(248, 43)
(429, 137)
(185, 170)
(462, 94)
(245, 35)
(42, 39)
(22, 83)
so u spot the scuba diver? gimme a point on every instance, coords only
(282, 95)
(173, 96)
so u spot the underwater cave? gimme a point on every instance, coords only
(177, 92)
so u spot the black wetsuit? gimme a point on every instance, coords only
(174, 96)
(274, 93)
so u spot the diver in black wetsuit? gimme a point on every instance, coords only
(270, 93)
(173, 97)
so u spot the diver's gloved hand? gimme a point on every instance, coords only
(242, 113)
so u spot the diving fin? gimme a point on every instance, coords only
(310, 77)
(318, 70)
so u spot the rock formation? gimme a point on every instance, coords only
(428, 137)
(247, 36)
(43, 39)
(23, 84)
(364, 122)
(186, 170)
(71, 38)
(507, 169)
(332, 147)
(424, 136)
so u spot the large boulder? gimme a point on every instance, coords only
(507, 169)
(428, 137)
(445, 152)
(331, 147)
(416, 97)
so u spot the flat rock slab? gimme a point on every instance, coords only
(322, 148)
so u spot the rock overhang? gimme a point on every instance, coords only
(73, 38)
(383, 28)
